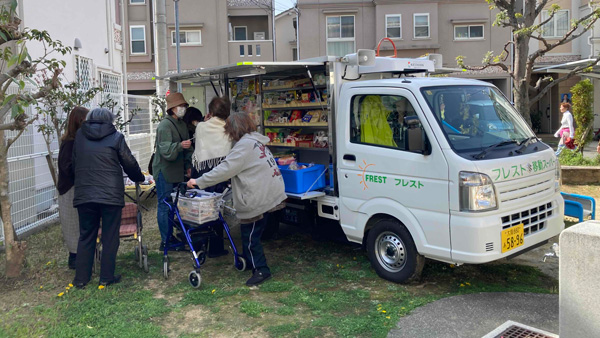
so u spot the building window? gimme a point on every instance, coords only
(242, 51)
(340, 35)
(257, 50)
(110, 83)
(84, 68)
(187, 38)
(137, 2)
(240, 33)
(393, 26)
(294, 54)
(470, 32)
(558, 26)
(138, 39)
(249, 50)
(421, 23)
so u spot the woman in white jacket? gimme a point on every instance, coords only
(567, 129)
(257, 184)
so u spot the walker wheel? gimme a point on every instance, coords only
(136, 252)
(166, 267)
(240, 264)
(145, 258)
(195, 279)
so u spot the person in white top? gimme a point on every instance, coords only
(567, 129)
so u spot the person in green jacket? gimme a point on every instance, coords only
(172, 161)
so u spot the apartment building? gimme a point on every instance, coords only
(286, 30)
(212, 33)
(417, 28)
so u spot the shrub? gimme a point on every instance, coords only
(583, 113)
(575, 158)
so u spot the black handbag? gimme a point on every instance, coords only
(154, 152)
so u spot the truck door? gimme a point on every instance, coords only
(382, 171)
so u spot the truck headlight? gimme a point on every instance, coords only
(477, 192)
(557, 177)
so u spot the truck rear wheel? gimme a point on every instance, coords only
(392, 252)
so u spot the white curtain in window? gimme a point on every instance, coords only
(340, 48)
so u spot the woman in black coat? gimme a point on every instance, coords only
(100, 155)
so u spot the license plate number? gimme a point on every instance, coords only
(512, 238)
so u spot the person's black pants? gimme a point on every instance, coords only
(90, 215)
(252, 248)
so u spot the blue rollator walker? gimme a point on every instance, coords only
(207, 212)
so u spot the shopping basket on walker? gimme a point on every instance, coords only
(195, 211)
(131, 229)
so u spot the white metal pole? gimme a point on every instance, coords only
(177, 41)
(273, 29)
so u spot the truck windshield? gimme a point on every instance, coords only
(476, 118)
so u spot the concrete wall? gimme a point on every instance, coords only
(66, 22)
(313, 14)
(286, 36)
(579, 277)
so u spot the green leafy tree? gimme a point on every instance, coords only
(521, 17)
(17, 67)
(583, 112)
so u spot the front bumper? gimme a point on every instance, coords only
(476, 239)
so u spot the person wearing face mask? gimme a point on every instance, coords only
(172, 161)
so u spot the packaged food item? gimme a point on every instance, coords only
(286, 160)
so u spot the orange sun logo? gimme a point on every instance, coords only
(362, 175)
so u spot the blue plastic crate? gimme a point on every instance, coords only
(331, 176)
(299, 181)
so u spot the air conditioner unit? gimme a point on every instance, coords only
(436, 58)
(259, 35)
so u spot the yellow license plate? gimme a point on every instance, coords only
(512, 238)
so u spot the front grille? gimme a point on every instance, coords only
(508, 194)
(515, 331)
(533, 219)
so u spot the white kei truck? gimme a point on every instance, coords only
(423, 166)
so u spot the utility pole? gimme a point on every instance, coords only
(177, 41)
(161, 61)
(273, 29)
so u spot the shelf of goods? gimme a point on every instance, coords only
(285, 89)
(285, 145)
(295, 125)
(301, 106)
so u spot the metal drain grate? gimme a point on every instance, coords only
(515, 331)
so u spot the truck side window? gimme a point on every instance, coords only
(379, 120)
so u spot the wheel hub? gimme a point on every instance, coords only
(390, 251)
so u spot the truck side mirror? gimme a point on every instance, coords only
(416, 139)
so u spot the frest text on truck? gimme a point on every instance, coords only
(423, 166)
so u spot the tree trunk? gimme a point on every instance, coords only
(15, 250)
(521, 78)
(51, 167)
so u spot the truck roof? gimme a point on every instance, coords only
(418, 82)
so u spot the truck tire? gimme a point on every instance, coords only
(392, 252)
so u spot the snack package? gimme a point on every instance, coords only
(285, 160)
(293, 166)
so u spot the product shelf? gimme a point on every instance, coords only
(285, 89)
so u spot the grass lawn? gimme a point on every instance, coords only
(320, 288)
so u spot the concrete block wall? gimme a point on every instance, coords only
(579, 275)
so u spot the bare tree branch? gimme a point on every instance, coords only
(12, 140)
(540, 7)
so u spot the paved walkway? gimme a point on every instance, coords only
(476, 315)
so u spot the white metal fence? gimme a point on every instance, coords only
(32, 191)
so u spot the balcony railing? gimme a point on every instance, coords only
(250, 50)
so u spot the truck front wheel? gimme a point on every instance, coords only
(392, 252)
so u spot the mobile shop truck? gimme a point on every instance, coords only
(423, 167)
